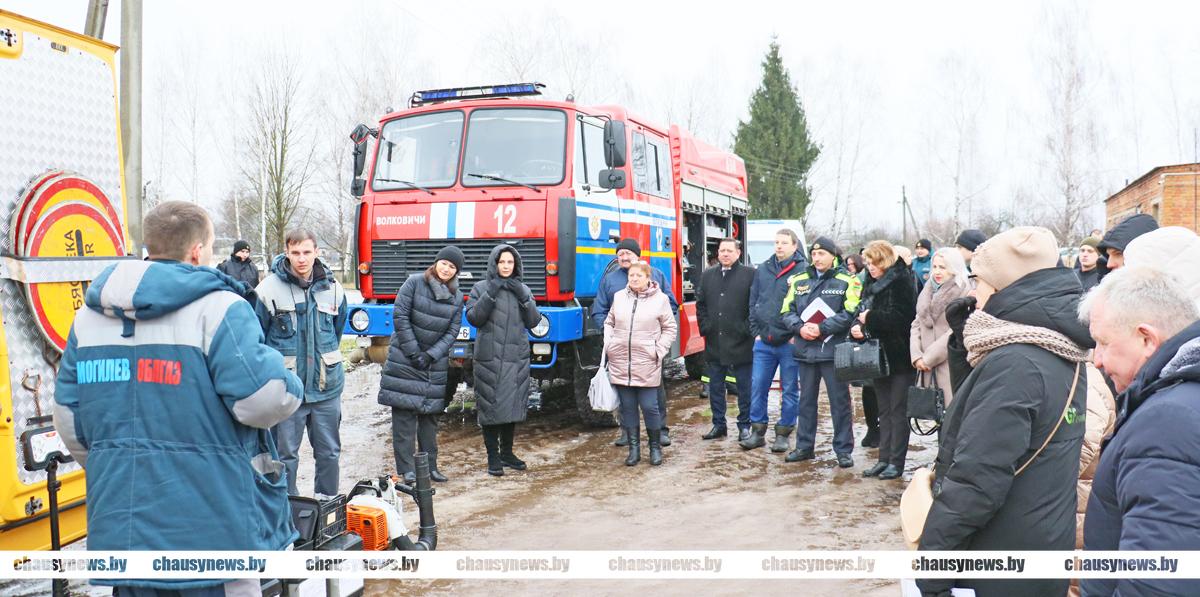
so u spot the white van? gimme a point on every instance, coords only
(760, 238)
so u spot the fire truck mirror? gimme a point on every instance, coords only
(612, 179)
(357, 187)
(359, 136)
(614, 145)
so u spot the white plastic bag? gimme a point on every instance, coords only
(600, 392)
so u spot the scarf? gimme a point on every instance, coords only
(940, 297)
(984, 333)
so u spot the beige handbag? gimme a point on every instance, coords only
(917, 498)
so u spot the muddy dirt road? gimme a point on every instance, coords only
(578, 495)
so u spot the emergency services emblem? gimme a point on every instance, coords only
(594, 225)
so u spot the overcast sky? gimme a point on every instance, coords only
(877, 78)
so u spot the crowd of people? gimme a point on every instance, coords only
(1070, 394)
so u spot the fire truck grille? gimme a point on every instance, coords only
(392, 261)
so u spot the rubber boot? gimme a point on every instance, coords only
(757, 439)
(666, 438)
(623, 439)
(507, 458)
(635, 449)
(655, 446)
(491, 441)
(782, 438)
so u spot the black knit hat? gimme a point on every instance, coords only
(825, 244)
(454, 255)
(928, 246)
(970, 239)
(631, 245)
(239, 245)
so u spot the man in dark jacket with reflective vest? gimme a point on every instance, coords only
(302, 311)
(771, 349)
(819, 308)
(1146, 492)
(629, 252)
(723, 312)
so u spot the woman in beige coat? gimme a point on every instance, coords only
(638, 335)
(929, 333)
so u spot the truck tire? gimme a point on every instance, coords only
(694, 364)
(581, 378)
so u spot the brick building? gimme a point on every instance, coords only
(1169, 193)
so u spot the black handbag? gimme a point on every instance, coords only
(925, 403)
(855, 361)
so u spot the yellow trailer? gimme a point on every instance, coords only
(62, 220)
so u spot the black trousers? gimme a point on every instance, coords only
(870, 406)
(892, 394)
(413, 432)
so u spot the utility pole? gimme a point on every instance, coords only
(96, 16)
(131, 113)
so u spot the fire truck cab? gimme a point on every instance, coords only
(561, 183)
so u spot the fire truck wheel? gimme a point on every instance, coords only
(694, 364)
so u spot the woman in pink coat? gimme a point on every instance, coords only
(927, 339)
(638, 335)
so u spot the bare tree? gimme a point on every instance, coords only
(187, 119)
(1073, 140)
(841, 103)
(962, 101)
(280, 163)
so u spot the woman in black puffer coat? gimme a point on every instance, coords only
(503, 310)
(890, 292)
(427, 317)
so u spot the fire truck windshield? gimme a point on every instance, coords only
(525, 146)
(419, 152)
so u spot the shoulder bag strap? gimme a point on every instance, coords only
(1066, 407)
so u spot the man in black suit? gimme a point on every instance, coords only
(723, 311)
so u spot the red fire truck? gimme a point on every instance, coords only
(477, 166)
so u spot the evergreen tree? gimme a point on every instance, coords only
(775, 144)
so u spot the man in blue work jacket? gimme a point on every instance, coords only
(302, 311)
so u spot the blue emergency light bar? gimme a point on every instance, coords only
(441, 95)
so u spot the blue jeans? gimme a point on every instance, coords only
(840, 409)
(716, 391)
(767, 359)
(322, 420)
(631, 398)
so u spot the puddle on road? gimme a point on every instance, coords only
(578, 495)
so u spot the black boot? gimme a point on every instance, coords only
(871, 439)
(655, 446)
(782, 441)
(757, 439)
(507, 458)
(635, 449)
(666, 437)
(875, 470)
(623, 439)
(716, 432)
(491, 441)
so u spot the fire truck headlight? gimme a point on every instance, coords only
(542, 328)
(359, 320)
(364, 268)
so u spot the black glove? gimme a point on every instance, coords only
(958, 311)
(422, 362)
(518, 289)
